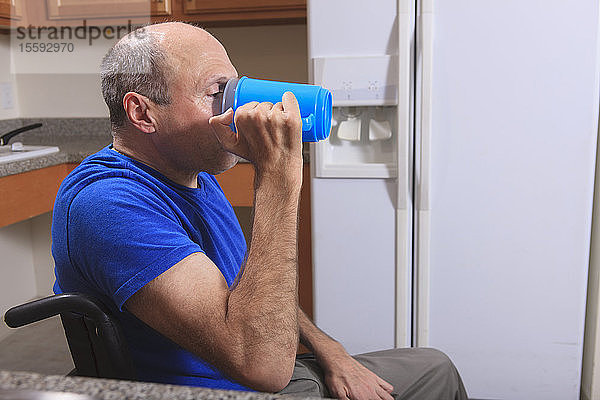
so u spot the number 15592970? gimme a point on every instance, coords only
(57, 47)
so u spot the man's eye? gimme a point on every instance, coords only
(216, 102)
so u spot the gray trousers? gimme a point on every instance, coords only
(415, 373)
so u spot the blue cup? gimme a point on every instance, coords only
(314, 102)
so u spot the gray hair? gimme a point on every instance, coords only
(139, 64)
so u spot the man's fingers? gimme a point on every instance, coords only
(338, 391)
(384, 384)
(220, 124)
(277, 106)
(383, 394)
(290, 104)
(225, 118)
(267, 106)
(243, 111)
(248, 106)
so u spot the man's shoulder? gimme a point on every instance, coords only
(93, 167)
(102, 174)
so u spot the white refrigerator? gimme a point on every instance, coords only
(452, 204)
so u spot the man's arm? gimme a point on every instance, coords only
(344, 376)
(251, 331)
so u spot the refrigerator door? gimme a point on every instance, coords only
(353, 258)
(504, 191)
(362, 279)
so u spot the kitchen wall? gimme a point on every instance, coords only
(7, 80)
(277, 52)
(18, 283)
(26, 269)
(270, 52)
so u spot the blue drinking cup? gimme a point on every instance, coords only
(314, 102)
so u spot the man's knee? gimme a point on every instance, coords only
(306, 380)
(436, 358)
(443, 371)
(433, 374)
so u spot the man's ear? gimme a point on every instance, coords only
(137, 108)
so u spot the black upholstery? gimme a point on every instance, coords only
(95, 339)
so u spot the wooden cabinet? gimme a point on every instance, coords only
(103, 9)
(88, 13)
(161, 7)
(10, 12)
(32, 193)
(210, 12)
(205, 13)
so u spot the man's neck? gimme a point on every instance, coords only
(154, 161)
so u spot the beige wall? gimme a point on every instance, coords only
(43, 263)
(7, 77)
(269, 52)
(274, 52)
(18, 277)
(27, 268)
(60, 96)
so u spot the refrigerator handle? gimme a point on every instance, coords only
(421, 303)
(403, 294)
(426, 102)
(404, 102)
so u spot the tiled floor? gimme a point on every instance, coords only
(40, 347)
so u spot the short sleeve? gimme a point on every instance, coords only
(122, 235)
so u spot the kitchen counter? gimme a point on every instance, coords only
(72, 151)
(107, 389)
(76, 139)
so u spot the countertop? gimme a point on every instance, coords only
(72, 150)
(76, 139)
(107, 389)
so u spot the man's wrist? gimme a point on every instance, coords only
(279, 183)
(329, 353)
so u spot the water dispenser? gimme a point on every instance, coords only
(362, 142)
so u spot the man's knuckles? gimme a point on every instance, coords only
(286, 121)
(246, 117)
(259, 114)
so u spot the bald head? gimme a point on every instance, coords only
(178, 37)
(146, 62)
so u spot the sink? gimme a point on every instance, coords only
(11, 153)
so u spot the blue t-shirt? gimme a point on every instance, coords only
(117, 225)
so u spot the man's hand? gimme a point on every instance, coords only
(346, 378)
(268, 135)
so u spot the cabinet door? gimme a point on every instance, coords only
(10, 9)
(160, 7)
(241, 10)
(69, 9)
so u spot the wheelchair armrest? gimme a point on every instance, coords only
(50, 306)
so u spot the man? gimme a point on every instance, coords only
(144, 226)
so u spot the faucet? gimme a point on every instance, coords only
(7, 136)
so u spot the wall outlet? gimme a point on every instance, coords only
(7, 99)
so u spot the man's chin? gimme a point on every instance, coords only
(231, 161)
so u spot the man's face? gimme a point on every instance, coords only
(199, 71)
